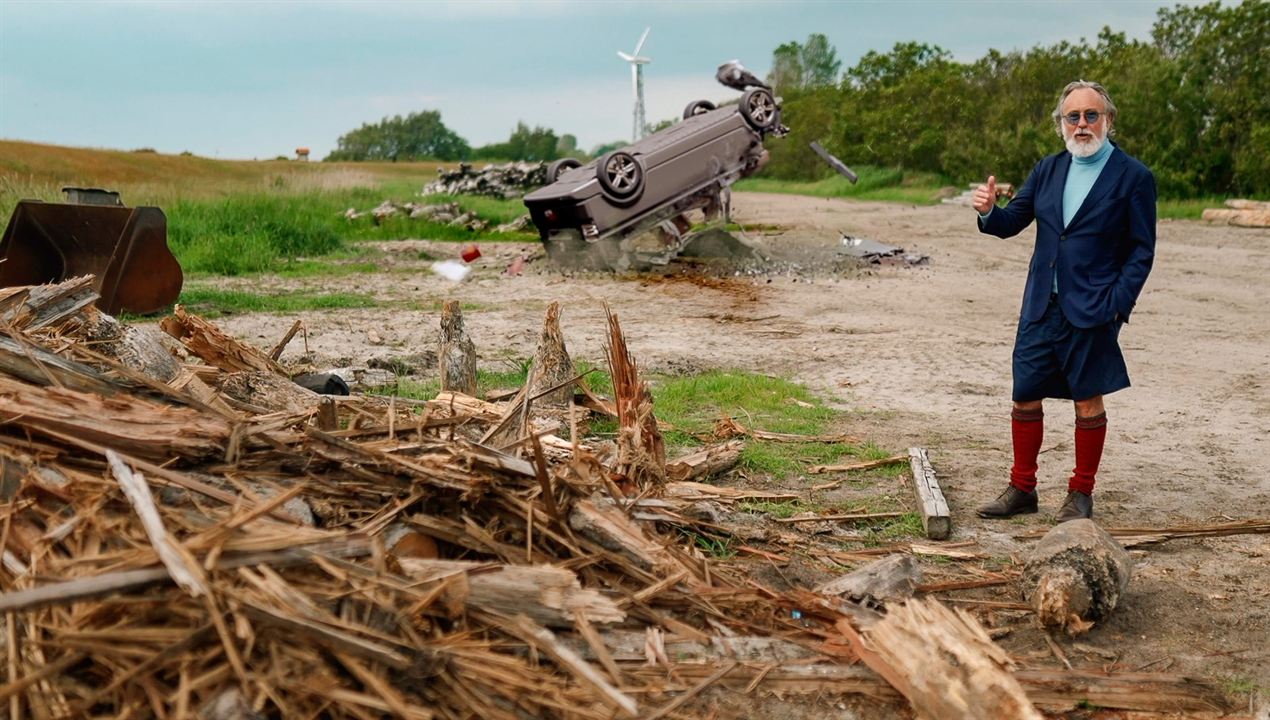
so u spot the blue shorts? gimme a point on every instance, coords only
(1054, 359)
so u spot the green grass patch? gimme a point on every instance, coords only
(211, 303)
(875, 183)
(905, 527)
(694, 403)
(273, 227)
(1186, 209)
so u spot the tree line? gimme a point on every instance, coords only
(1194, 104)
(422, 136)
(1193, 100)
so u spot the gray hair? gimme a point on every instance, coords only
(1102, 92)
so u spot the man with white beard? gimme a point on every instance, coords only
(1094, 208)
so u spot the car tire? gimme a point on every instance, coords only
(557, 167)
(698, 107)
(758, 107)
(621, 175)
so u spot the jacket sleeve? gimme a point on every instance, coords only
(1010, 220)
(1141, 241)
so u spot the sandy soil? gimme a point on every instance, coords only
(923, 355)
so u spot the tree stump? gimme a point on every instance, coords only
(1075, 576)
(552, 365)
(457, 356)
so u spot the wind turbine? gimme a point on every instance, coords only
(637, 82)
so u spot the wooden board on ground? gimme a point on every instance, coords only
(930, 498)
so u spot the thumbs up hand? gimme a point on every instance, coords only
(985, 197)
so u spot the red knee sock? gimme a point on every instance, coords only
(1091, 432)
(1027, 427)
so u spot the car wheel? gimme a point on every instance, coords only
(758, 107)
(698, 107)
(620, 174)
(557, 168)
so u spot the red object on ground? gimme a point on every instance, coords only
(470, 253)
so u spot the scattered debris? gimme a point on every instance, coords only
(1241, 213)
(1075, 576)
(501, 181)
(876, 253)
(171, 549)
(1004, 190)
(443, 213)
(451, 270)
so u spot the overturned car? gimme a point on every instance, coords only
(589, 215)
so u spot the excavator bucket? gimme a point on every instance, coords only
(126, 249)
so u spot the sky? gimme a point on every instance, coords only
(241, 80)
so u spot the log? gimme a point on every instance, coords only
(1075, 576)
(545, 641)
(552, 366)
(891, 579)
(609, 527)
(943, 661)
(936, 517)
(456, 358)
(1249, 217)
(708, 461)
(1057, 690)
(548, 595)
(270, 391)
(1242, 204)
(139, 348)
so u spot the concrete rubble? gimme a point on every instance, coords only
(500, 181)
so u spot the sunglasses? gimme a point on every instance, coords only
(1091, 117)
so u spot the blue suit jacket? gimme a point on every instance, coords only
(1103, 256)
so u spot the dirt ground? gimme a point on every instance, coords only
(921, 355)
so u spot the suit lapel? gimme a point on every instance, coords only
(1107, 180)
(1055, 200)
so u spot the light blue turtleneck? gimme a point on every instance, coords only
(1081, 176)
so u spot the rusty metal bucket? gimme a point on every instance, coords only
(126, 249)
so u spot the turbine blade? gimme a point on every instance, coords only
(639, 45)
(624, 56)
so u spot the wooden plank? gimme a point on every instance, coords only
(930, 498)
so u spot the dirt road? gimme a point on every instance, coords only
(924, 354)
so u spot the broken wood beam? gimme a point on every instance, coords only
(456, 358)
(552, 367)
(936, 517)
(893, 578)
(943, 661)
(706, 462)
(548, 595)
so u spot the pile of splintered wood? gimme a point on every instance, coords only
(175, 549)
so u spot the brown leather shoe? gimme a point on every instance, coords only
(1075, 506)
(1009, 503)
